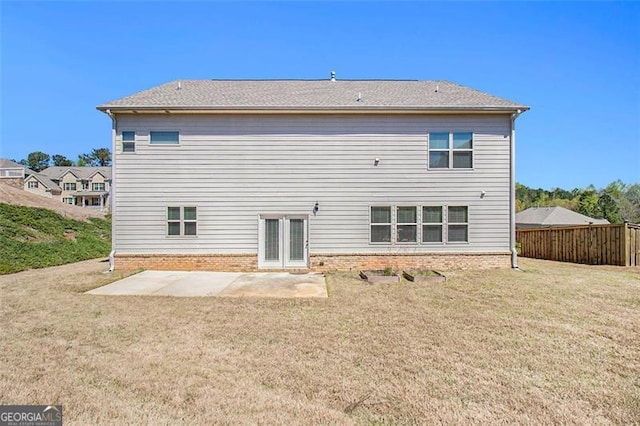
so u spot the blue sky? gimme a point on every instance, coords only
(577, 64)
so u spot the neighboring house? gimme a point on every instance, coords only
(11, 173)
(81, 186)
(41, 185)
(324, 174)
(11, 169)
(536, 217)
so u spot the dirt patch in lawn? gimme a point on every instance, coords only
(20, 197)
(557, 343)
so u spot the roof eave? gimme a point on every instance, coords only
(136, 109)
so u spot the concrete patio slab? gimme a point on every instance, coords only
(277, 284)
(225, 284)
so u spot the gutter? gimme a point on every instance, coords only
(377, 109)
(512, 191)
(112, 255)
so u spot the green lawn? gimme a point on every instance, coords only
(36, 238)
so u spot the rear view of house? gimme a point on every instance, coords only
(322, 174)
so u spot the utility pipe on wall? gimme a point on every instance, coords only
(512, 195)
(112, 255)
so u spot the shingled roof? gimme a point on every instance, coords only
(552, 216)
(352, 95)
(84, 172)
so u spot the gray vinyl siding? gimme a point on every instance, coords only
(235, 167)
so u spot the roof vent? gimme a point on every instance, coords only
(437, 88)
(333, 76)
(359, 97)
(179, 86)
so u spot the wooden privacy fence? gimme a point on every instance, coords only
(614, 244)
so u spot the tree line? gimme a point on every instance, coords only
(38, 160)
(617, 202)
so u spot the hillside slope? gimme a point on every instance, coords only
(15, 196)
(33, 237)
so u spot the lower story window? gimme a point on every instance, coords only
(95, 201)
(407, 225)
(432, 224)
(181, 221)
(380, 224)
(423, 224)
(68, 200)
(458, 224)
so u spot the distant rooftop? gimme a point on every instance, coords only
(549, 216)
(56, 172)
(356, 95)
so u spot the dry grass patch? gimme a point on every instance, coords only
(558, 343)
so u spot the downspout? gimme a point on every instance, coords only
(512, 194)
(112, 255)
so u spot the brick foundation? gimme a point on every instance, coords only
(439, 261)
(324, 262)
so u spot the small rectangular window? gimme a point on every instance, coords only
(164, 138)
(380, 224)
(98, 186)
(33, 184)
(407, 225)
(451, 150)
(458, 224)
(432, 224)
(69, 186)
(181, 221)
(129, 141)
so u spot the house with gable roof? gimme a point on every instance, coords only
(313, 174)
(82, 186)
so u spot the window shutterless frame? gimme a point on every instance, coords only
(380, 224)
(451, 150)
(457, 224)
(128, 141)
(164, 137)
(406, 224)
(432, 224)
(182, 221)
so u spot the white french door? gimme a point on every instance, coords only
(283, 241)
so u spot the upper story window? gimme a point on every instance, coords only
(181, 221)
(450, 150)
(97, 186)
(128, 141)
(164, 138)
(32, 184)
(69, 186)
